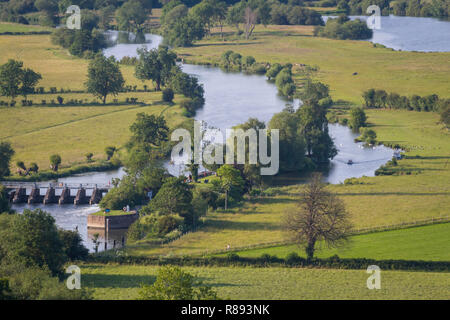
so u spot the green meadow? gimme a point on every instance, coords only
(430, 243)
(15, 27)
(123, 282)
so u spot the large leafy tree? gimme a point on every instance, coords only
(292, 145)
(104, 77)
(155, 65)
(174, 197)
(6, 153)
(357, 118)
(131, 16)
(149, 130)
(318, 216)
(172, 283)
(32, 238)
(231, 181)
(14, 80)
(314, 128)
(185, 31)
(186, 85)
(210, 12)
(29, 80)
(72, 244)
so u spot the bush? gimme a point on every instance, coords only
(73, 245)
(167, 95)
(60, 99)
(342, 28)
(368, 135)
(292, 258)
(258, 69)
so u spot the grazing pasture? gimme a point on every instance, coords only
(123, 282)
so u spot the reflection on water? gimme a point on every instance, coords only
(411, 33)
(125, 44)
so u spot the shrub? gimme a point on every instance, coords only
(368, 135)
(292, 258)
(167, 95)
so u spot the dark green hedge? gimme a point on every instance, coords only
(271, 261)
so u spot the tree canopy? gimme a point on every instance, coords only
(6, 153)
(172, 283)
(155, 65)
(15, 80)
(104, 77)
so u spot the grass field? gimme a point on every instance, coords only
(15, 27)
(73, 131)
(404, 72)
(112, 213)
(123, 282)
(431, 243)
(58, 68)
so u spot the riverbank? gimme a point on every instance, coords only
(47, 175)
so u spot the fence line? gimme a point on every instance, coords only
(398, 226)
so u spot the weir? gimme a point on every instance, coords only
(18, 193)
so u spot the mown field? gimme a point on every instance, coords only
(430, 243)
(123, 282)
(400, 71)
(74, 131)
(58, 68)
(15, 27)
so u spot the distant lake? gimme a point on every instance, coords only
(411, 33)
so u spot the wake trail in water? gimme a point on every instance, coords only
(361, 162)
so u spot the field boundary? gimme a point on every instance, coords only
(293, 261)
(399, 226)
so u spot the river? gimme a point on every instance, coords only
(411, 33)
(232, 98)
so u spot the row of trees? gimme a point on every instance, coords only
(16, 80)
(157, 65)
(412, 8)
(130, 15)
(81, 43)
(182, 26)
(374, 98)
(104, 76)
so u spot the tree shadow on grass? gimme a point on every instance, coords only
(116, 280)
(225, 43)
(247, 226)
